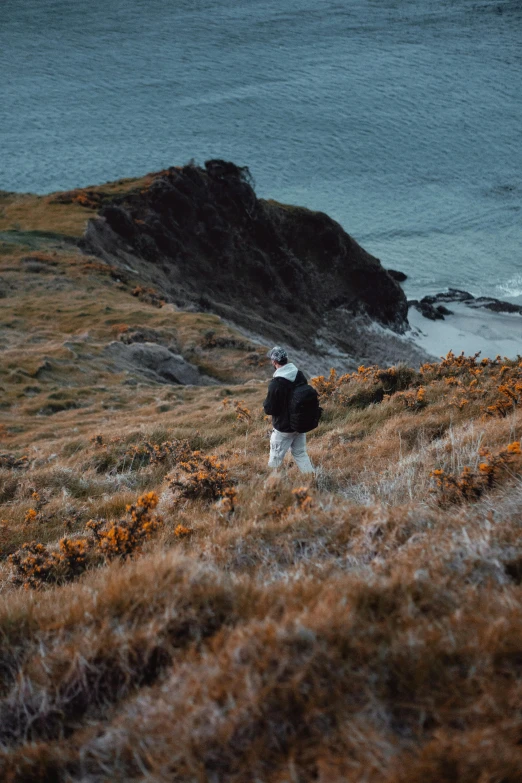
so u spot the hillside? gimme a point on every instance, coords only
(170, 610)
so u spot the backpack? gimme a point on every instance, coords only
(303, 408)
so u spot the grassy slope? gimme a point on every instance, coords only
(362, 630)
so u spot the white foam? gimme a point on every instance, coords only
(511, 288)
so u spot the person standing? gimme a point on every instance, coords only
(295, 410)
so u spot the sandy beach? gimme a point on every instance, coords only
(470, 330)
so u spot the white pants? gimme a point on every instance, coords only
(280, 442)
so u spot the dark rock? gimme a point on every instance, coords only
(451, 295)
(154, 362)
(426, 309)
(400, 277)
(119, 220)
(513, 569)
(496, 305)
(430, 308)
(202, 238)
(455, 295)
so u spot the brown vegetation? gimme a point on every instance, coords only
(363, 628)
(172, 611)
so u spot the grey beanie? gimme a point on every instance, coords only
(278, 354)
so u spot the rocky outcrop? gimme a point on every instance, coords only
(154, 362)
(433, 307)
(204, 240)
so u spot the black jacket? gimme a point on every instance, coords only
(278, 398)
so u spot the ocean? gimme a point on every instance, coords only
(401, 119)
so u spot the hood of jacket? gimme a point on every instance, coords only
(287, 371)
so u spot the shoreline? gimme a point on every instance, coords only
(468, 329)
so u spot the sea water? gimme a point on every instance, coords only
(399, 118)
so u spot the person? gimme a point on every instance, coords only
(285, 379)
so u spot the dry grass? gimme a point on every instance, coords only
(356, 629)
(363, 627)
(28, 213)
(64, 214)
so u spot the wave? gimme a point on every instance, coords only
(512, 287)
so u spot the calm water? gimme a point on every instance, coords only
(400, 118)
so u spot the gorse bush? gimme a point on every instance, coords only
(495, 384)
(509, 396)
(201, 477)
(124, 538)
(170, 451)
(471, 484)
(302, 498)
(73, 556)
(365, 386)
(455, 365)
(148, 295)
(415, 399)
(35, 565)
(243, 414)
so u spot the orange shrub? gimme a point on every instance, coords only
(124, 538)
(34, 565)
(414, 400)
(153, 454)
(30, 516)
(148, 295)
(365, 386)
(470, 484)
(201, 477)
(302, 498)
(509, 396)
(326, 387)
(228, 504)
(243, 413)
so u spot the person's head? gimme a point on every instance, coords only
(278, 356)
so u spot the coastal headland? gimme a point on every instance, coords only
(172, 610)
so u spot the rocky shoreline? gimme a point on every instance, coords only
(456, 320)
(204, 240)
(469, 329)
(434, 307)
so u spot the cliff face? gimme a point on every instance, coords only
(203, 238)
